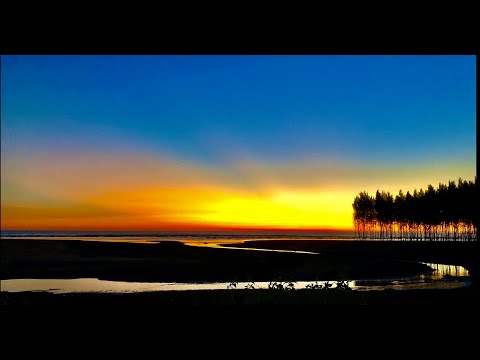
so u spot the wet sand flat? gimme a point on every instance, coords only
(175, 261)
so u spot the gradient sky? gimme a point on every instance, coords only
(197, 142)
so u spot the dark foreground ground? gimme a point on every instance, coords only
(458, 298)
(176, 262)
(465, 254)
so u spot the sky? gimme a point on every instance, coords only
(226, 142)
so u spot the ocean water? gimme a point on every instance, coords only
(185, 236)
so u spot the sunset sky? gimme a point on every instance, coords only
(219, 142)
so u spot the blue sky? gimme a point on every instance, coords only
(277, 108)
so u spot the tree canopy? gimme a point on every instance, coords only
(449, 212)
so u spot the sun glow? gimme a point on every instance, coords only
(89, 191)
(281, 210)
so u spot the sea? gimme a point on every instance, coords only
(184, 236)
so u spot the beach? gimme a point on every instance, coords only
(176, 262)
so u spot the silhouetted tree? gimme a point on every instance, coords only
(449, 212)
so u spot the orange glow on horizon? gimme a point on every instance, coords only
(127, 192)
(191, 209)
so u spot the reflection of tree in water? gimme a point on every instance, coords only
(449, 270)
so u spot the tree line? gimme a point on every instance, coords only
(449, 212)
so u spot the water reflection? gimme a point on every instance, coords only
(443, 277)
(219, 244)
(442, 270)
(59, 286)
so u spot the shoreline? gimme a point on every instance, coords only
(176, 262)
(173, 261)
